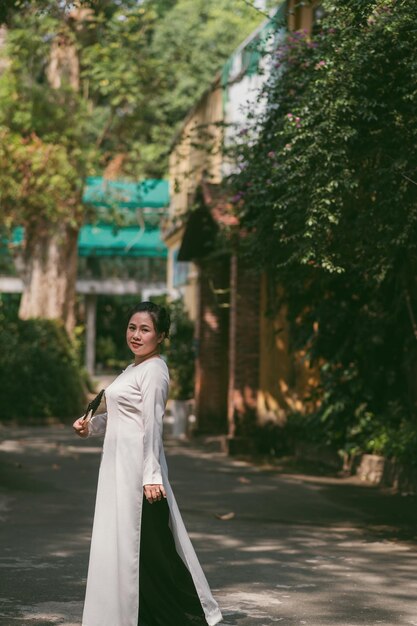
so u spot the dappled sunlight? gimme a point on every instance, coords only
(63, 613)
(338, 573)
(39, 445)
(297, 549)
(221, 540)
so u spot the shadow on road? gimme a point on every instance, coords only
(285, 546)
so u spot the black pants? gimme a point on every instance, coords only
(167, 595)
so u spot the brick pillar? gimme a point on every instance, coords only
(212, 346)
(244, 354)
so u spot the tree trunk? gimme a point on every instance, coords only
(50, 254)
(49, 275)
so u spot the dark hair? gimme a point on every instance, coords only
(159, 314)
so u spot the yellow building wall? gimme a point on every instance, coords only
(188, 290)
(285, 378)
(301, 15)
(197, 151)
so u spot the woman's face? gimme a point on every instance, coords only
(142, 337)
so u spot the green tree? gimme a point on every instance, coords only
(66, 104)
(334, 170)
(38, 188)
(189, 45)
(85, 83)
(41, 154)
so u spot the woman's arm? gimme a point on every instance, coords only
(97, 424)
(154, 389)
(87, 428)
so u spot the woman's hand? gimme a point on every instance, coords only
(154, 492)
(81, 427)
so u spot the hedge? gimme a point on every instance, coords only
(39, 372)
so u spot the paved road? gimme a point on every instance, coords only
(300, 549)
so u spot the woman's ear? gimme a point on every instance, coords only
(161, 337)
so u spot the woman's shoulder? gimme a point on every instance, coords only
(152, 374)
(152, 366)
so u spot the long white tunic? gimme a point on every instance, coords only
(133, 456)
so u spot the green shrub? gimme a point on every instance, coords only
(112, 352)
(181, 352)
(39, 371)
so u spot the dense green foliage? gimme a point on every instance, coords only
(189, 45)
(180, 352)
(328, 198)
(39, 186)
(39, 371)
(41, 148)
(141, 67)
(112, 352)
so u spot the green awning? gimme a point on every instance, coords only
(105, 240)
(149, 193)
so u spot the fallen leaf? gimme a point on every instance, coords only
(225, 516)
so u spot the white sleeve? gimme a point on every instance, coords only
(97, 424)
(154, 389)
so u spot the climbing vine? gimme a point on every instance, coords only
(327, 196)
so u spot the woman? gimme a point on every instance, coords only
(143, 568)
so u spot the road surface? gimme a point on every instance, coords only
(292, 548)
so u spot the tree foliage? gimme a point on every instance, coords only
(41, 148)
(190, 44)
(141, 67)
(328, 198)
(37, 181)
(180, 352)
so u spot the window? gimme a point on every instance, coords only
(180, 270)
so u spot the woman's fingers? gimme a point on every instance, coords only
(153, 493)
(81, 427)
(148, 494)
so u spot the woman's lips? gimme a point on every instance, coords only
(136, 345)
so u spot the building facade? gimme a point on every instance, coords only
(246, 374)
